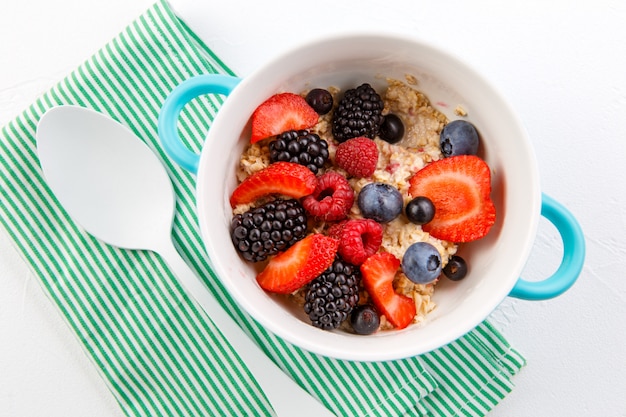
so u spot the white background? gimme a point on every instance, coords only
(561, 64)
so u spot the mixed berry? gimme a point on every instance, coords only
(392, 129)
(357, 156)
(268, 229)
(359, 113)
(420, 210)
(380, 201)
(364, 319)
(321, 100)
(331, 297)
(331, 199)
(316, 236)
(301, 147)
(459, 137)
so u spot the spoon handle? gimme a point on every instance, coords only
(287, 398)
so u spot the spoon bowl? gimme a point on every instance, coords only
(116, 189)
(107, 180)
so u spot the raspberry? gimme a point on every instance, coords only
(358, 156)
(358, 239)
(332, 199)
(336, 229)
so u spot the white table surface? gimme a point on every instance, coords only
(561, 64)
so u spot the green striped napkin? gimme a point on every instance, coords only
(156, 349)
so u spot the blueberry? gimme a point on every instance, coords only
(320, 100)
(364, 319)
(381, 202)
(421, 263)
(456, 268)
(458, 137)
(420, 210)
(392, 129)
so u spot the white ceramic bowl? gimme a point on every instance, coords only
(346, 61)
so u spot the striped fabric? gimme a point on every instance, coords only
(156, 349)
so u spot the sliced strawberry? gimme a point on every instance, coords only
(460, 188)
(378, 272)
(280, 113)
(285, 178)
(298, 265)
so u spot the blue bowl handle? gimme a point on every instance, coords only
(173, 105)
(573, 256)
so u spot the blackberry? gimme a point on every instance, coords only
(268, 229)
(330, 298)
(301, 147)
(359, 113)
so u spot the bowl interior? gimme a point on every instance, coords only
(346, 61)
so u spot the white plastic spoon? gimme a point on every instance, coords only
(115, 187)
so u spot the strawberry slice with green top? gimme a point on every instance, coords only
(300, 264)
(460, 189)
(280, 113)
(285, 178)
(378, 272)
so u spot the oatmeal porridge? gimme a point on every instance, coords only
(349, 166)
